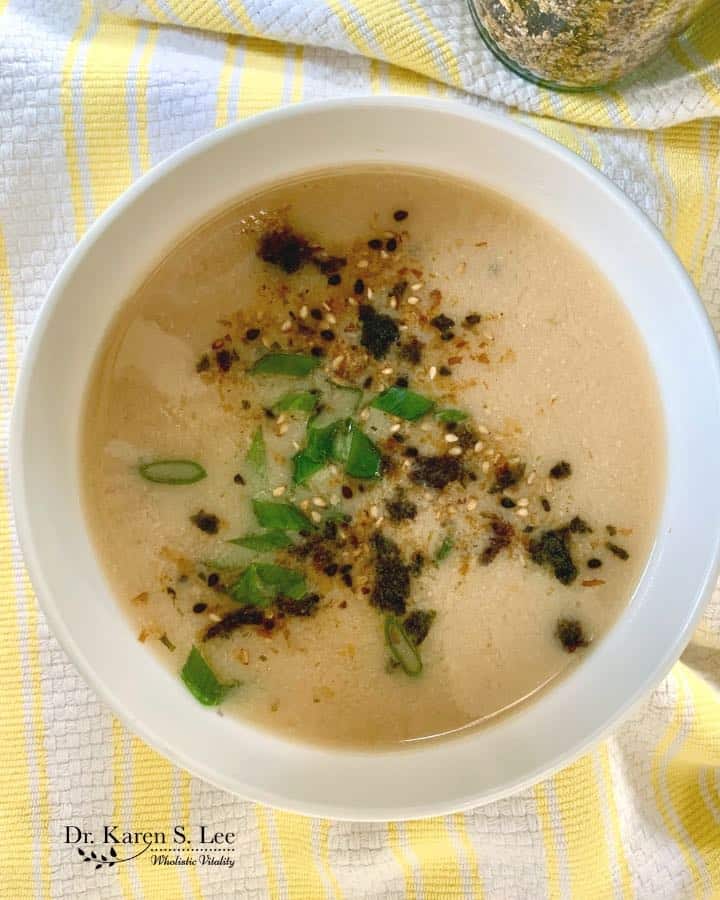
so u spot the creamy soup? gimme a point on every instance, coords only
(373, 457)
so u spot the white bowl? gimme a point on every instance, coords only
(120, 249)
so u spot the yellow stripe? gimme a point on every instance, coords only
(243, 17)
(351, 30)
(704, 79)
(659, 758)
(221, 114)
(298, 73)
(582, 823)
(263, 76)
(16, 862)
(405, 81)
(324, 844)
(439, 862)
(713, 196)
(105, 110)
(470, 855)
(301, 873)
(122, 872)
(448, 56)
(401, 859)
(141, 85)
(187, 818)
(623, 867)
(666, 218)
(261, 815)
(157, 12)
(552, 861)
(3, 6)
(375, 84)
(66, 103)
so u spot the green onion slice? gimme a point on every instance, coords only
(363, 459)
(256, 456)
(448, 542)
(202, 682)
(281, 516)
(264, 542)
(401, 647)
(316, 453)
(261, 583)
(297, 401)
(172, 471)
(401, 402)
(451, 415)
(294, 364)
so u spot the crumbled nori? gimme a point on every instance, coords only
(570, 634)
(237, 618)
(330, 265)
(507, 502)
(304, 606)
(506, 475)
(379, 331)
(552, 549)
(224, 360)
(442, 322)
(417, 624)
(284, 248)
(579, 526)
(417, 564)
(206, 522)
(412, 351)
(400, 508)
(561, 470)
(545, 504)
(618, 551)
(398, 290)
(436, 471)
(594, 563)
(501, 535)
(392, 576)
(472, 319)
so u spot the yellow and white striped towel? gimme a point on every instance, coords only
(89, 101)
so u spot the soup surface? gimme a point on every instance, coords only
(373, 457)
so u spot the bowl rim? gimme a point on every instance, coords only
(22, 515)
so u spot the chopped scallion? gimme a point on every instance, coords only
(293, 364)
(401, 647)
(448, 542)
(172, 471)
(256, 456)
(297, 401)
(202, 682)
(451, 415)
(401, 402)
(263, 543)
(261, 583)
(281, 516)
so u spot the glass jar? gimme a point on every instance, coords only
(579, 44)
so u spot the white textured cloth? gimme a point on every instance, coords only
(87, 103)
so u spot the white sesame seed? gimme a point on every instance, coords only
(318, 501)
(416, 287)
(522, 512)
(483, 430)
(365, 414)
(478, 446)
(370, 293)
(548, 486)
(315, 516)
(326, 306)
(488, 336)
(214, 617)
(303, 312)
(305, 504)
(296, 446)
(393, 303)
(471, 504)
(388, 234)
(403, 327)
(395, 428)
(406, 464)
(363, 264)
(278, 491)
(266, 343)
(523, 502)
(429, 496)
(282, 429)
(432, 373)
(374, 512)
(334, 499)
(331, 319)
(337, 362)
(531, 477)
(379, 520)
(333, 469)
(486, 466)
(286, 325)
(413, 300)
(384, 254)
(386, 371)
(451, 438)
(351, 301)
(455, 451)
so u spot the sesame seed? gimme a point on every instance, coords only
(478, 446)
(337, 362)
(370, 293)
(364, 415)
(416, 287)
(531, 477)
(363, 264)
(374, 512)
(413, 300)
(379, 520)
(351, 301)
(455, 451)
(425, 426)
(384, 254)
(403, 327)
(304, 504)
(331, 319)
(486, 466)
(483, 430)
(280, 419)
(326, 306)
(214, 617)
(296, 446)
(278, 491)
(282, 429)
(386, 371)
(451, 438)
(395, 428)
(315, 516)
(286, 325)
(318, 501)
(303, 312)
(471, 505)
(432, 373)
(523, 502)
(266, 343)
(522, 512)
(393, 303)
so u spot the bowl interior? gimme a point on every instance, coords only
(114, 257)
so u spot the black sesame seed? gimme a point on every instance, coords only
(594, 563)
(359, 287)
(411, 452)
(402, 381)
(238, 479)
(400, 214)
(336, 278)
(347, 579)
(344, 569)
(199, 607)
(269, 414)
(317, 351)
(620, 552)
(507, 502)
(316, 313)
(545, 504)
(252, 334)
(331, 569)
(391, 245)
(472, 319)
(368, 381)
(346, 492)
(213, 579)
(375, 244)
(444, 370)
(447, 335)
(327, 335)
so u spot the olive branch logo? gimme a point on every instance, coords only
(100, 860)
